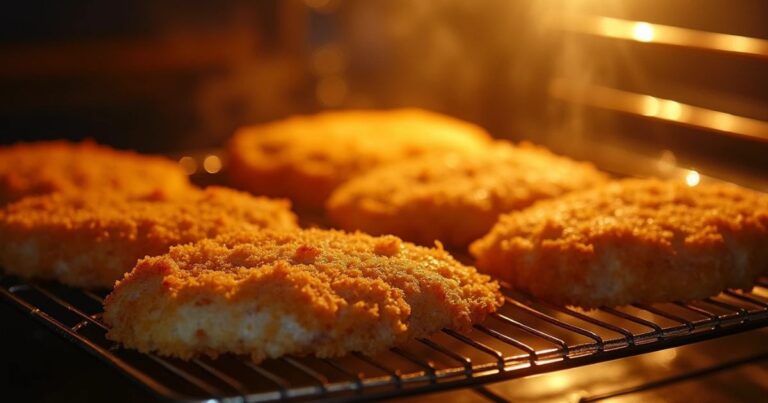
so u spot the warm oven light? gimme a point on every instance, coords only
(643, 32)
(212, 164)
(188, 164)
(692, 178)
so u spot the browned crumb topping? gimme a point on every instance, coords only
(667, 214)
(92, 238)
(305, 157)
(455, 198)
(306, 254)
(635, 240)
(347, 298)
(46, 167)
(388, 246)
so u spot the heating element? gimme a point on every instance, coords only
(525, 337)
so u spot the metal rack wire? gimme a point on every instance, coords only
(525, 337)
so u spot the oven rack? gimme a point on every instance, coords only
(525, 337)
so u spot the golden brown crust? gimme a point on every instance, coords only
(632, 241)
(91, 239)
(269, 293)
(455, 198)
(306, 157)
(46, 167)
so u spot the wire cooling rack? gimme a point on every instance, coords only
(525, 337)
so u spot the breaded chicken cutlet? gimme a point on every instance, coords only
(305, 157)
(46, 167)
(268, 294)
(632, 241)
(455, 198)
(91, 239)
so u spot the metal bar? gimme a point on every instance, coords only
(221, 376)
(321, 380)
(664, 314)
(79, 325)
(428, 367)
(496, 376)
(737, 309)
(355, 377)
(194, 380)
(535, 332)
(394, 373)
(93, 296)
(656, 328)
(746, 298)
(278, 381)
(640, 31)
(559, 323)
(68, 306)
(106, 355)
(393, 386)
(18, 288)
(700, 311)
(464, 361)
(626, 333)
(651, 107)
(532, 356)
(480, 346)
(233, 383)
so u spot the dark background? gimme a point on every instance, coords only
(166, 76)
(39, 366)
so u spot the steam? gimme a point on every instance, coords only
(493, 63)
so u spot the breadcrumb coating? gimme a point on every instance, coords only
(632, 241)
(455, 198)
(58, 166)
(91, 239)
(305, 157)
(268, 294)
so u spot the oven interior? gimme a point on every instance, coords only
(675, 89)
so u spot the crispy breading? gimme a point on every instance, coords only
(46, 167)
(306, 157)
(91, 239)
(268, 294)
(455, 198)
(632, 241)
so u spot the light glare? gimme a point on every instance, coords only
(692, 178)
(671, 110)
(188, 164)
(643, 32)
(650, 106)
(212, 164)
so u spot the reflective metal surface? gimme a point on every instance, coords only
(526, 337)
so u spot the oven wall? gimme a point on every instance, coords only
(163, 76)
